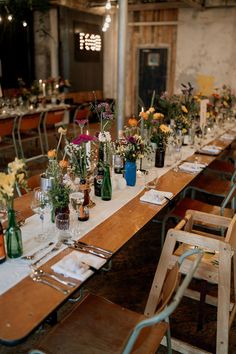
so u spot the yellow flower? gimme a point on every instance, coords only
(158, 116)
(164, 128)
(184, 109)
(184, 130)
(225, 104)
(62, 131)
(151, 110)
(7, 184)
(52, 154)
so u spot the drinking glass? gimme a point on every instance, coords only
(76, 200)
(39, 203)
(62, 222)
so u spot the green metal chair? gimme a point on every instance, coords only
(97, 325)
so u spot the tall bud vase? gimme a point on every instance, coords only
(13, 236)
(130, 173)
(106, 189)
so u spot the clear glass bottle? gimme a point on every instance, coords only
(13, 236)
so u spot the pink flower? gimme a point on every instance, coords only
(83, 138)
(81, 121)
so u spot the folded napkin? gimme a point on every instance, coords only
(212, 149)
(192, 166)
(72, 266)
(156, 197)
(227, 137)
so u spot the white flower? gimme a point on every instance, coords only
(104, 137)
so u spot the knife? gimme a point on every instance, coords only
(95, 248)
(88, 250)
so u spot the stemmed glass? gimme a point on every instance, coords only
(39, 203)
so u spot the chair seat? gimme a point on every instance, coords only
(193, 204)
(211, 185)
(222, 166)
(101, 327)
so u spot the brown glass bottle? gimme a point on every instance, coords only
(2, 246)
(83, 209)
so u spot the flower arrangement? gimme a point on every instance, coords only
(55, 166)
(105, 113)
(11, 181)
(78, 152)
(169, 106)
(150, 117)
(133, 147)
(160, 133)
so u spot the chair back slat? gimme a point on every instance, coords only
(29, 121)
(53, 117)
(6, 126)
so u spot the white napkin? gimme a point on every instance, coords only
(212, 149)
(70, 265)
(156, 197)
(227, 136)
(192, 166)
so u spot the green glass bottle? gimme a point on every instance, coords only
(13, 236)
(106, 190)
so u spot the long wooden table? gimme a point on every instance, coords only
(26, 305)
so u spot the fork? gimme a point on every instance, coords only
(33, 255)
(55, 248)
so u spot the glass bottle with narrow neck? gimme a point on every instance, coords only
(13, 236)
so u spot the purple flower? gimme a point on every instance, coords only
(131, 139)
(108, 115)
(103, 106)
(83, 138)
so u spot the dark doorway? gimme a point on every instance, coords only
(152, 73)
(16, 53)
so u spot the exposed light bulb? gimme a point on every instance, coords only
(108, 18)
(108, 5)
(24, 24)
(10, 17)
(0, 18)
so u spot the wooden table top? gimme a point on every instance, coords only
(26, 305)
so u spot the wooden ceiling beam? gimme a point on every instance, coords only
(156, 6)
(194, 3)
(81, 5)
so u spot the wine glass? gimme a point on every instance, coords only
(39, 203)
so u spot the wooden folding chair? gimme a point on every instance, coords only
(99, 326)
(28, 129)
(51, 120)
(7, 134)
(214, 268)
(178, 212)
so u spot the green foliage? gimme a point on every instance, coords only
(59, 194)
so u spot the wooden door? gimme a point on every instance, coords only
(152, 73)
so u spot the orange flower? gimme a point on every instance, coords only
(63, 163)
(158, 116)
(133, 122)
(52, 154)
(144, 115)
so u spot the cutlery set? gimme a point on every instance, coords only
(40, 276)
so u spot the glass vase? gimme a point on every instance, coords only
(13, 236)
(130, 173)
(106, 190)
